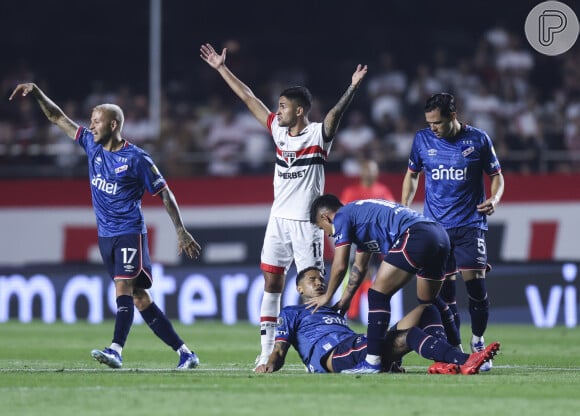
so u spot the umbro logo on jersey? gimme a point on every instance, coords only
(432, 152)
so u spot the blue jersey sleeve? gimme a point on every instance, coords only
(491, 164)
(285, 325)
(146, 169)
(415, 161)
(86, 140)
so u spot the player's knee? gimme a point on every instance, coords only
(273, 283)
(479, 305)
(141, 299)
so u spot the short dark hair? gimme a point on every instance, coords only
(445, 102)
(301, 95)
(327, 201)
(303, 272)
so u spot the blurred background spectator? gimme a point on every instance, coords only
(527, 102)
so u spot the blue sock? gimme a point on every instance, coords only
(123, 319)
(451, 330)
(449, 295)
(378, 321)
(161, 326)
(478, 305)
(433, 348)
(430, 322)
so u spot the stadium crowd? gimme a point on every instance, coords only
(529, 105)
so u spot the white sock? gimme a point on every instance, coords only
(373, 359)
(269, 311)
(183, 349)
(116, 347)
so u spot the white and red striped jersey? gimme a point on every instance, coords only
(299, 170)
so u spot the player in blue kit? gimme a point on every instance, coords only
(326, 344)
(410, 243)
(119, 174)
(455, 157)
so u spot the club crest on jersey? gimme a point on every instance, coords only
(289, 157)
(121, 169)
(467, 150)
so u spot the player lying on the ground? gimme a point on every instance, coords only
(326, 344)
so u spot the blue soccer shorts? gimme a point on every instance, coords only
(127, 257)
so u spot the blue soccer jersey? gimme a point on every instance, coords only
(118, 181)
(313, 335)
(454, 168)
(374, 225)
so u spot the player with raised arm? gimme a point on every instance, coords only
(455, 157)
(119, 175)
(326, 344)
(302, 148)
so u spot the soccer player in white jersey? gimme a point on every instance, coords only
(455, 157)
(119, 174)
(301, 151)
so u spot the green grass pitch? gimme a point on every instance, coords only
(47, 370)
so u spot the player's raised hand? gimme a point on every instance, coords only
(359, 74)
(208, 54)
(23, 89)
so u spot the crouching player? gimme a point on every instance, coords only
(326, 344)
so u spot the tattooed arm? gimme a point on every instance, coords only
(276, 360)
(52, 111)
(333, 117)
(358, 271)
(185, 241)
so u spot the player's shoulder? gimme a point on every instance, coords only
(134, 151)
(290, 313)
(425, 136)
(474, 132)
(294, 308)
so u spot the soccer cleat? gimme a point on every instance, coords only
(109, 357)
(480, 346)
(187, 361)
(364, 367)
(475, 362)
(443, 368)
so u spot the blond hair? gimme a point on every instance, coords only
(113, 111)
